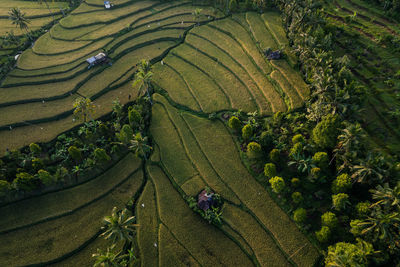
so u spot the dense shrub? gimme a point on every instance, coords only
(37, 163)
(234, 123)
(340, 201)
(321, 160)
(134, 117)
(25, 182)
(233, 5)
(75, 153)
(269, 170)
(297, 197)
(295, 182)
(277, 184)
(125, 135)
(347, 254)
(325, 132)
(341, 184)
(300, 215)
(266, 140)
(298, 138)
(274, 155)
(101, 156)
(253, 150)
(35, 148)
(315, 173)
(247, 132)
(324, 234)
(329, 219)
(356, 227)
(296, 149)
(45, 177)
(363, 208)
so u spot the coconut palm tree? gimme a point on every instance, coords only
(18, 19)
(119, 226)
(386, 196)
(143, 78)
(139, 145)
(83, 108)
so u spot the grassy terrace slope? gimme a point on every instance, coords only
(220, 66)
(37, 96)
(195, 152)
(374, 62)
(38, 14)
(57, 225)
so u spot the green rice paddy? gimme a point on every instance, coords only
(201, 66)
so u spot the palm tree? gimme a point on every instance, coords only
(387, 196)
(197, 14)
(18, 19)
(119, 226)
(139, 145)
(83, 108)
(143, 78)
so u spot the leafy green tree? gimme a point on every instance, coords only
(143, 78)
(266, 140)
(75, 153)
(18, 19)
(277, 184)
(83, 108)
(297, 197)
(362, 208)
(274, 155)
(234, 123)
(45, 177)
(25, 182)
(134, 117)
(296, 149)
(117, 108)
(298, 138)
(270, 170)
(341, 184)
(101, 155)
(300, 215)
(5, 188)
(325, 132)
(125, 135)
(253, 150)
(35, 148)
(295, 182)
(321, 160)
(197, 15)
(324, 234)
(340, 201)
(329, 219)
(349, 255)
(247, 132)
(386, 196)
(119, 226)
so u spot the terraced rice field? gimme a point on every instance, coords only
(202, 65)
(372, 62)
(38, 14)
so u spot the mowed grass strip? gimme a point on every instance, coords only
(204, 242)
(147, 232)
(295, 100)
(46, 45)
(45, 132)
(53, 239)
(172, 253)
(219, 52)
(172, 152)
(169, 79)
(28, 60)
(293, 77)
(222, 153)
(40, 208)
(263, 246)
(260, 32)
(195, 155)
(210, 97)
(237, 94)
(122, 65)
